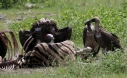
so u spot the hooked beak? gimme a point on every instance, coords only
(91, 20)
(87, 22)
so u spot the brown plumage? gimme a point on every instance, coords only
(3, 47)
(89, 40)
(106, 40)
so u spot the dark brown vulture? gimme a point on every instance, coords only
(38, 32)
(89, 40)
(7, 45)
(106, 40)
(3, 48)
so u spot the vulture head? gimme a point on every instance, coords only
(96, 20)
(49, 38)
(41, 28)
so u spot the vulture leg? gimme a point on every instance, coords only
(104, 51)
(96, 50)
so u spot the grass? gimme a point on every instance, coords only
(111, 65)
(113, 15)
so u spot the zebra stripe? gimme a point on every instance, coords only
(46, 54)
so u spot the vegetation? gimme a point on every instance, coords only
(113, 15)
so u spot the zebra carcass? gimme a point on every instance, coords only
(39, 29)
(47, 54)
(6, 45)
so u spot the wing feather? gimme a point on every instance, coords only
(84, 35)
(110, 38)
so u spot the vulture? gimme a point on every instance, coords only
(3, 48)
(89, 40)
(38, 31)
(106, 40)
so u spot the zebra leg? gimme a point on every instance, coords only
(84, 53)
(86, 50)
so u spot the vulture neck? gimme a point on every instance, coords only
(52, 41)
(97, 26)
(89, 28)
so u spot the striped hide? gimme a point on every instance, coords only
(50, 54)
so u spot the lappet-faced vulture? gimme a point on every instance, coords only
(38, 32)
(89, 40)
(106, 40)
(3, 48)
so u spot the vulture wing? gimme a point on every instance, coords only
(84, 35)
(116, 41)
(110, 39)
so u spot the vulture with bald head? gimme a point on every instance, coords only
(106, 40)
(30, 38)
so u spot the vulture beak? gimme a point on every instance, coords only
(93, 20)
(87, 22)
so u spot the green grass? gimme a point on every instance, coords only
(109, 66)
(113, 15)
